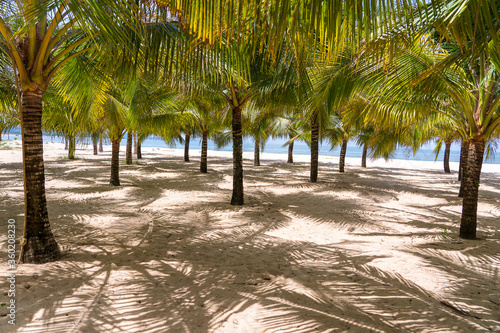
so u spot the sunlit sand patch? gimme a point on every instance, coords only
(305, 230)
(153, 175)
(416, 269)
(171, 199)
(54, 182)
(84, 196)
(486, 187)
(488, 210)
(226, 183)
(420, 200)
(455, 209)
(483, 209)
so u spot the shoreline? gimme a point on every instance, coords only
(351, 163)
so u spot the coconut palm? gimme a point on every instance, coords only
(465, 93)
(39, 38)
(207, 115)
(59, 117)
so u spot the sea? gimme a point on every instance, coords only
(276, 146)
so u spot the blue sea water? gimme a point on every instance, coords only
(275, 146)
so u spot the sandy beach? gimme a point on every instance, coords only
(372, 250)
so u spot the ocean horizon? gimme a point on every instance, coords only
(275, 146)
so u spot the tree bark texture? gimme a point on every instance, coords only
(471, 178)
(115, 163)
(135, 143)
(40, 244)
(128, 152)
(101, 148)
(71, 146)
(256, 153)
(139, 152)
(343, 150)
(314, 148)
(363, 157)
(290, 153)
(204, 152)
(447, 157)
(237, 198)
(95, 140)
(464, 153)
(186, 147)
(66, 143)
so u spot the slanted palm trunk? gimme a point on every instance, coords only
(94, 143)
(186, 147)
(101, 149)
(128, 152)
(363, 157)
(471, 179)
(314, 148)
(447, 157)
(464, 153)
(71, 146)
(66, 143)
(115, 163)
(290, 152)
(40, 245)
(237, 198)
(204, 152)
(256, 153)
(342, 155)
(135, 143)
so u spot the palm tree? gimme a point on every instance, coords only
(61, 118)
(339, 132)
(39, 38)
(207, 115)
(333, 84)
(465, 93)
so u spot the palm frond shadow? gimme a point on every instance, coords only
(197, 264)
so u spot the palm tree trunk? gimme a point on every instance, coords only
(447, 157)
(115, 163)
(464, 153)
(314, 148)
(128, 152)
(139, 152)
(135, 143)
(1, 134)
(237, 198)
(204, 152)
(66, 143)
(256, 153)
(290, 152)
(471, 179)
(363, 157)
(101, 149)
(342, 155)
(187, 138)
(39, 243)
(71, 146)
(94, 143)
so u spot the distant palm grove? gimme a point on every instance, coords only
(383, 73)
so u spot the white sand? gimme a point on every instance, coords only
(371, 250)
